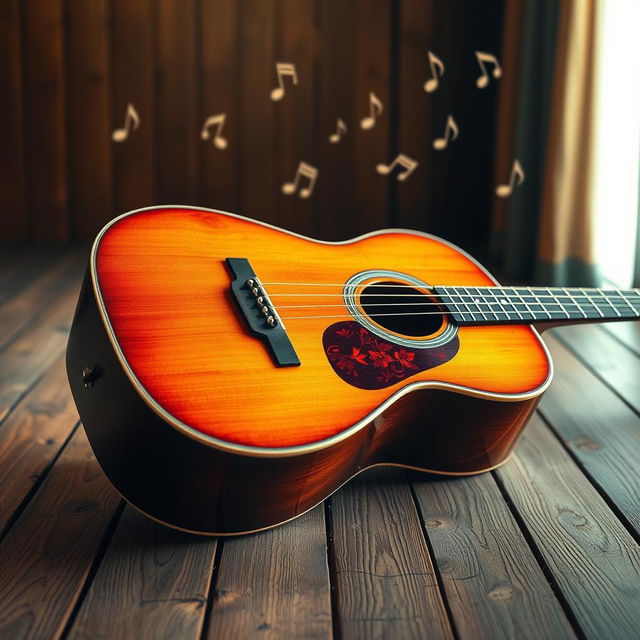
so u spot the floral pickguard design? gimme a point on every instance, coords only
(366, 361)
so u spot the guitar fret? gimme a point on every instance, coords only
(477, 301)
(624, 299)
(562, 308)
(574, 302)
(609, 303)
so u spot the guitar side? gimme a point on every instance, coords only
(186, 480)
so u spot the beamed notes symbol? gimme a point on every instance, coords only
(375, 109)
(517, 174)
(341, 129)
(216, 121)
(304, 171)
(131, 123)
(483, 59)
(451, 131)
(283, 69)
(405, 162)
(437, 71)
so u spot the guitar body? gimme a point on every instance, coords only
(198, 425)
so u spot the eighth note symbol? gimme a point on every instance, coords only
(517, 172)
(340, 131)
(436, 65)
(218, 121)
(283, 69)
(306, 171)
(401, 160)
(374, 105)
(441, 143)
(483, 79)
(131, 123)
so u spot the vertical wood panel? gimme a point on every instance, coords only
(132, 81)
(13, 221)
(373, 37)
(297, 134)
(90, 135)
(219, 78)
(45, 123)
(415, 110)
(257, 111)
(336, 62)
(177, 130)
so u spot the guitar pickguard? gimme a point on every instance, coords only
(367, 361)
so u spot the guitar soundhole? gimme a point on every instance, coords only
(401, 308)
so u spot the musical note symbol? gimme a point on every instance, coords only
(441, 143)
(374, 105)
(517, 172)
(340, 131)
(218, 121)
(131, 123)
(306, 171)
(436, 64)
(283, 69)
(401, 160)
(483, 79)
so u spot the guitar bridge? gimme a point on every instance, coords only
(260, 313)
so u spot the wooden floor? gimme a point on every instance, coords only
(545, 547)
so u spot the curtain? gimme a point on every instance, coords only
(544, 230)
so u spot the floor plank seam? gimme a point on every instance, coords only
(619, 340)
(537, 554)
(595, 372)
(333, 572)
(436, 568)
(101, 551)
(211, 595)
(37, 484)
(29, 389)
(594, 483)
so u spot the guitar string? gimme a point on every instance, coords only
(585, 290)
(447, 313)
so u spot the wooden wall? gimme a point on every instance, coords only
(68, 69)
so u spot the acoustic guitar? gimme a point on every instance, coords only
(231, 375)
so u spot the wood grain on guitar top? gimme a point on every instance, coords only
(165, 286)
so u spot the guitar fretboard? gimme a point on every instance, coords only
(513, 305)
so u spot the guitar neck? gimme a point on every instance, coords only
(517, 305)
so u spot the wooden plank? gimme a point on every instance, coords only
(297, 134)
(132, 81)
(493, 583)
(152, 583)
(24, 265)
(45, 152)
(373, 59)
(89, 110)
(256, 52)
(27, 357)
(627, 332)
(32, 436)
(274, 584)
(590, 555)
(385, 582)
(418, 31)
(601, 431)
(219, 81)
(48, 552)
(35, 298)
(177, 105)
(13, 222)
(614, 363)
(337, 62)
